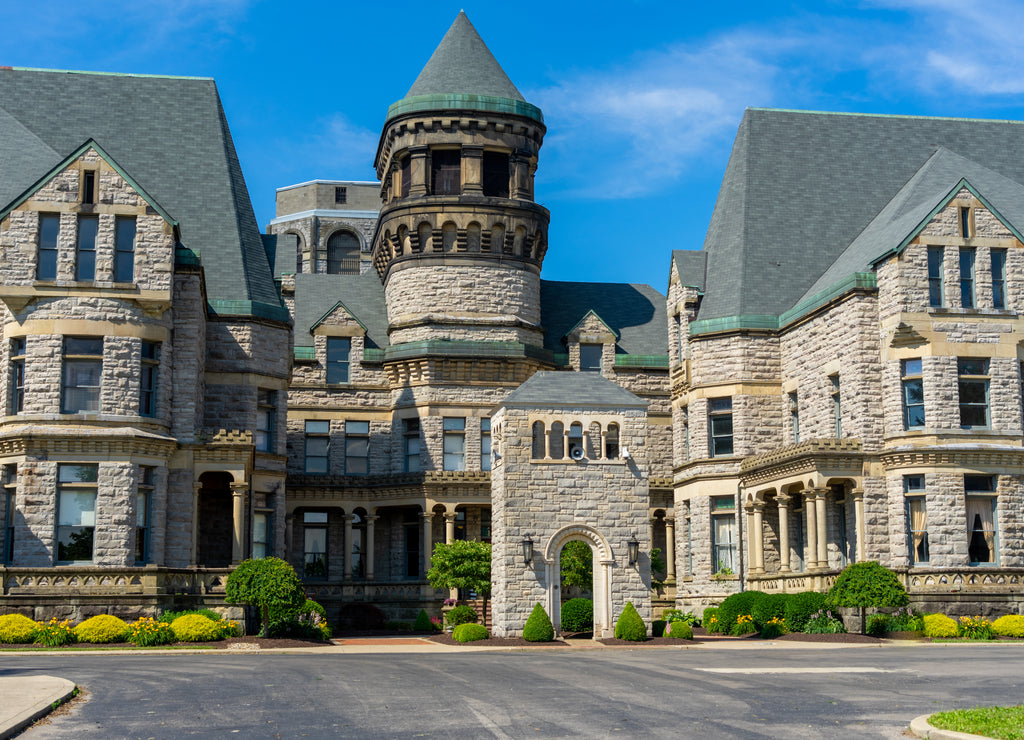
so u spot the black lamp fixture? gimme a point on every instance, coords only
(633, 548)
(528, 551)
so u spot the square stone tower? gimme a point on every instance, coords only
(571, 465)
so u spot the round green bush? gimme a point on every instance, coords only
(17, 628)
(710, 621)
(1012, 625)
(768, 607)
(734, 606)
(469, 632)
(196, 628)
(680, 630)
(102, 628)
(307, 620)
(629, 625)
(939, 625)
(578, 615)
(538, 626)
(423, 623)
(867, 584)
(464, 614)
(800, 607)
(171, 616)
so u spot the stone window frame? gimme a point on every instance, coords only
(47, 249)
(85, 247)
(357, 447)
(124, 248)
(723, 515)
(267, 539)
(266, 418)
(321, 431)
(338, 371)
(89, 192)
(72, 356)
(412, 445)
(18, 350)
(981, 490)
(966, 222)
(446, 170)
(340, 195)
(911, 377)
(149, 378)
(719, 410)
(936, 277)
(315, 569)
(915, 502)
(10, 485)
(453, 443)
(589, 348)
(143, 513)
(967, 264)
(86, 485)
(485, 444)
(972, 378)
(997, 264)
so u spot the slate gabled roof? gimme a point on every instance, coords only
(635, 312)
(171, 134)
(690, 264)
(362, 295)
(800, 187)
(553, 389)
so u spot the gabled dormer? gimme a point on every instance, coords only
(591, 344)
(339, 339)
(87, 228)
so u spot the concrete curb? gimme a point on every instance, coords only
(27, 698)
(920, 727)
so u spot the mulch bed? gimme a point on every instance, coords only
(844, 637)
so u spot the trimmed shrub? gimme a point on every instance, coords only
(767, 608)
(361, 616)
(867, 585)
(629, 625)
(169, 617)
(711, 623)
(800, 607)
(54, 633)
(308, 620)
(578, 615)
(775, 627)
(469, 632)
(680, 630)
(939, 625)
(102, 628)
(147, 632)
(17, 628)
(464, 614)
(196, 628)
(975, 628)
(423, 623)
(1012, 625)
(734, 606)
(538, 626)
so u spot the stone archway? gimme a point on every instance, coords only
(603, 561)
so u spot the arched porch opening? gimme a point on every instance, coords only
(602, 574)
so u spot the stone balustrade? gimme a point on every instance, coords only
(94, 581)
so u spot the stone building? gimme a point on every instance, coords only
(835, 377)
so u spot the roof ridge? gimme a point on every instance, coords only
(104, 74)
(885, 115)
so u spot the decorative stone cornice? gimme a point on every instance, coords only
(978, 456)
(803, 457)
(106, 443)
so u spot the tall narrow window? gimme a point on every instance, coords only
(411, 443)
(261, 534)
(723, 534)
(967, 277)
(680, 344)
(445, 171)
(539, 448)
(982, 546)
(917, 519)
(973, 388)
(357, 447)
(998, 258)
(406, 175)
(912, 389)
(46, 259)
(339, 351)
(340, 195)
(343, 253)
(317, 447)
(794, 415)
(485, 524)
(837, 406)
(485, 444)
(411, 531)
(590, 357)
(720, 426)
(965, 223)
(85, 253)
(88, 186)
(76, 512)
(124, 249)
(83, 367)
(10, 481)
(611, 441)
(314, 545)
(495, 174)
(935, 277)
(143, 501)
(454, 443)
(150, 370)
(266, 411)
(17, 375)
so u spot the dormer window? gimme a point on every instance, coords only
(590, 357)
(965, 223)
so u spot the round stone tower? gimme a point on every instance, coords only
(460, 240)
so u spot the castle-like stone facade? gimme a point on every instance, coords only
(835, 377)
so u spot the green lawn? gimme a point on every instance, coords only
(1005, 723)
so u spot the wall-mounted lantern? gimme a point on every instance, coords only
(528, 551)
(633, 548)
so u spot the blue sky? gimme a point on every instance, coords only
(641, 99)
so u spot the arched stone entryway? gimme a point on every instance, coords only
(603, 562)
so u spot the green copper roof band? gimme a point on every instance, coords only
(465, 101)
(652, 361)
(249, 308)
(304, 353)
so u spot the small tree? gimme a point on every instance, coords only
(267, 583)
(462, 564)
(867, 584)
(577, 563)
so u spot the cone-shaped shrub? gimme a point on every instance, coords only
(469, 632)
(680, 631)
(102, 629)
(630, 626)
(17, 628)
(538, 627)
(423, 623)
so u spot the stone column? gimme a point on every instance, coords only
(758, 525)
(238, 492)
(811, 528)
(547, 443)
(418, 172)
(472, 170)
(520, 177)
(428, 535)
(670, 548)
(754, 535)
(449, 527)
(368, 550)
(783, 502)
(822, 521)
(858, 518)
(194, 556)
(348, 546)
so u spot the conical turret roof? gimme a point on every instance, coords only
(462, 63)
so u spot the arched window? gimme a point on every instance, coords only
(519, 243)
(611, 442)
(576, 440)
(449, 237)
(403, 241)
(539, 447)
(298, 251)
(557, 441)
(425, 234)
(473, 237)
(498, 238)
(343, 253)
